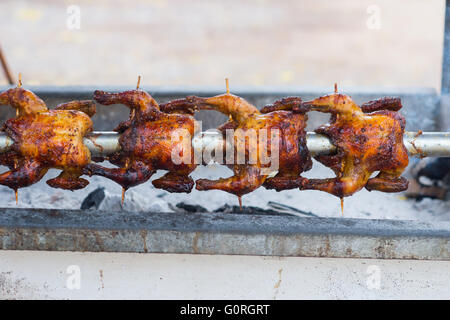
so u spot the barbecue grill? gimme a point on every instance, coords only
(60, 229)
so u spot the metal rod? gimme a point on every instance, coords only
(102, 143)
(426, 144)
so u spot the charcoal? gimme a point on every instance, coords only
(290, 210)
(436, 169)
(93, 199)
(248, 210)
(191, 207)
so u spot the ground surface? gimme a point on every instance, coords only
(49, 275)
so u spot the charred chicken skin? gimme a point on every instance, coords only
(368, 139)
(286, 116)
(147, 144)
(45, 139)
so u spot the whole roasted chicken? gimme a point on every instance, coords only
(45, 139)
(368, 139)
(257, 140)
(150, 140)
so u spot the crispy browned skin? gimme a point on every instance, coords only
(147, 144)
(288, 116)
(366, 142)
(45, 139)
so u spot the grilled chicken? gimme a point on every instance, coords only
(150, 140)
(45, 139)
(258, 139)
(368, 139)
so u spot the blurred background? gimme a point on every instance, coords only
(200, 42)
(273, 48)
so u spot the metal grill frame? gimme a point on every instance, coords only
(238, 234)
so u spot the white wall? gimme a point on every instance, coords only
(43, 275)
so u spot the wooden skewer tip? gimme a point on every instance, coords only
(123, 195)
(138, 82)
